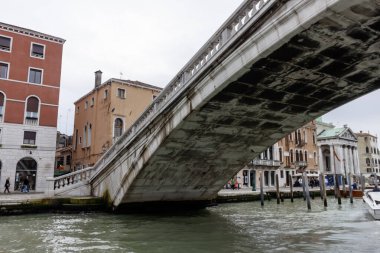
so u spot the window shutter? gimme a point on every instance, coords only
(32, 105)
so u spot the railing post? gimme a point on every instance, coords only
(50, 186)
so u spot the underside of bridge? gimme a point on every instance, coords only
(327, 64)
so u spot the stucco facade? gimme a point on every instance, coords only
(369, 156)
(30, 73)
(103, 114)
(293, 154)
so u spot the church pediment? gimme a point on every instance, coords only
(348, 135)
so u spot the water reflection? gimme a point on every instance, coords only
(244, 227)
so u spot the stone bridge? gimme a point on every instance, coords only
(272, 67)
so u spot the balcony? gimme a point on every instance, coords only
(300, 143)
(300, 164)
(265, 163)
(31, 118)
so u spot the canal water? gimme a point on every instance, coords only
(235, 227)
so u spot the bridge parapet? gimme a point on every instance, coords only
(70, 181)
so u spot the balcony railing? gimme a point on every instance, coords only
(268, 163)
(300, 164)
(31, 122)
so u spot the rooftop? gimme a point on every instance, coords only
(29, 32)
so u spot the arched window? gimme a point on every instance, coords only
(26, 169)
(367, 150)
(2, 106)
(291, 156)
(305, 156)
(297, 156)
(118, 128)
(32, 107)
(280, 154)
(89, 135)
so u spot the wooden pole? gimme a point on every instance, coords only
(362, 182)
(277, 189)
(303, 187)
(321, 185)
(291, 187)
(324, 190)
(350, 187)
(306, 187)
(262, 188)
(344, 186)
(337, 190)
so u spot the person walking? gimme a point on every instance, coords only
(7, 185)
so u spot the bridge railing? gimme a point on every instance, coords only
(247, 14)
(70, 179)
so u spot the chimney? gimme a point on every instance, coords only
(98, 78)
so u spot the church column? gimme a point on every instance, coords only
(356, 156)
(332, 165)
(340, 154)
(320, 160)
(346, 160)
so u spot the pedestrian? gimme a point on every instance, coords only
(25, 187)
(7, 185)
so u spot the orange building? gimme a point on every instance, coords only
(30, 74)
(103, 114)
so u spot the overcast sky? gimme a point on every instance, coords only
(145, 40)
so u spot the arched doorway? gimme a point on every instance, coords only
(26, 169)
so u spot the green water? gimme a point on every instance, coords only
(238, 227)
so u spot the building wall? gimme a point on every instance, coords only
(277, 159)
(102, 115)
(11, 153)
(17, 89)
(369, 156)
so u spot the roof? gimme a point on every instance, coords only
(337, 133)
(29, 32)
(122, 81)
(361, 134)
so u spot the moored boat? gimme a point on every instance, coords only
(372, 199)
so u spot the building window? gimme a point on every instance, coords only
(118, 128)
(35, 76)
(2, 102)
(281, 173)
(315, 158)
(5, 43)
(32, 105)
(367, 150)
(4, 70)
(280, 154)
(291, 156)
(89, 135)
(77, 109)
(86, 105)
(121, 93)
(37, 50)
(105, 94)
(29, 138)
(154, 97)
(68, 160)
(92, 102)
(305, 156)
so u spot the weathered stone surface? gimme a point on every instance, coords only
(232, 118)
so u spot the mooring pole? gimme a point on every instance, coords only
(362, 182)
(321, 185)
(337, 190)
(262, 188)
(324, 190)
(291, 187)
(277, 189)
(306, 187)
(350, 187)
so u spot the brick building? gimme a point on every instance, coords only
(30, 74)
(103, 114)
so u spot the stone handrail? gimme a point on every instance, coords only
(249, 12)
(58, 183)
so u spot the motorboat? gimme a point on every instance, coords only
(372, 199)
